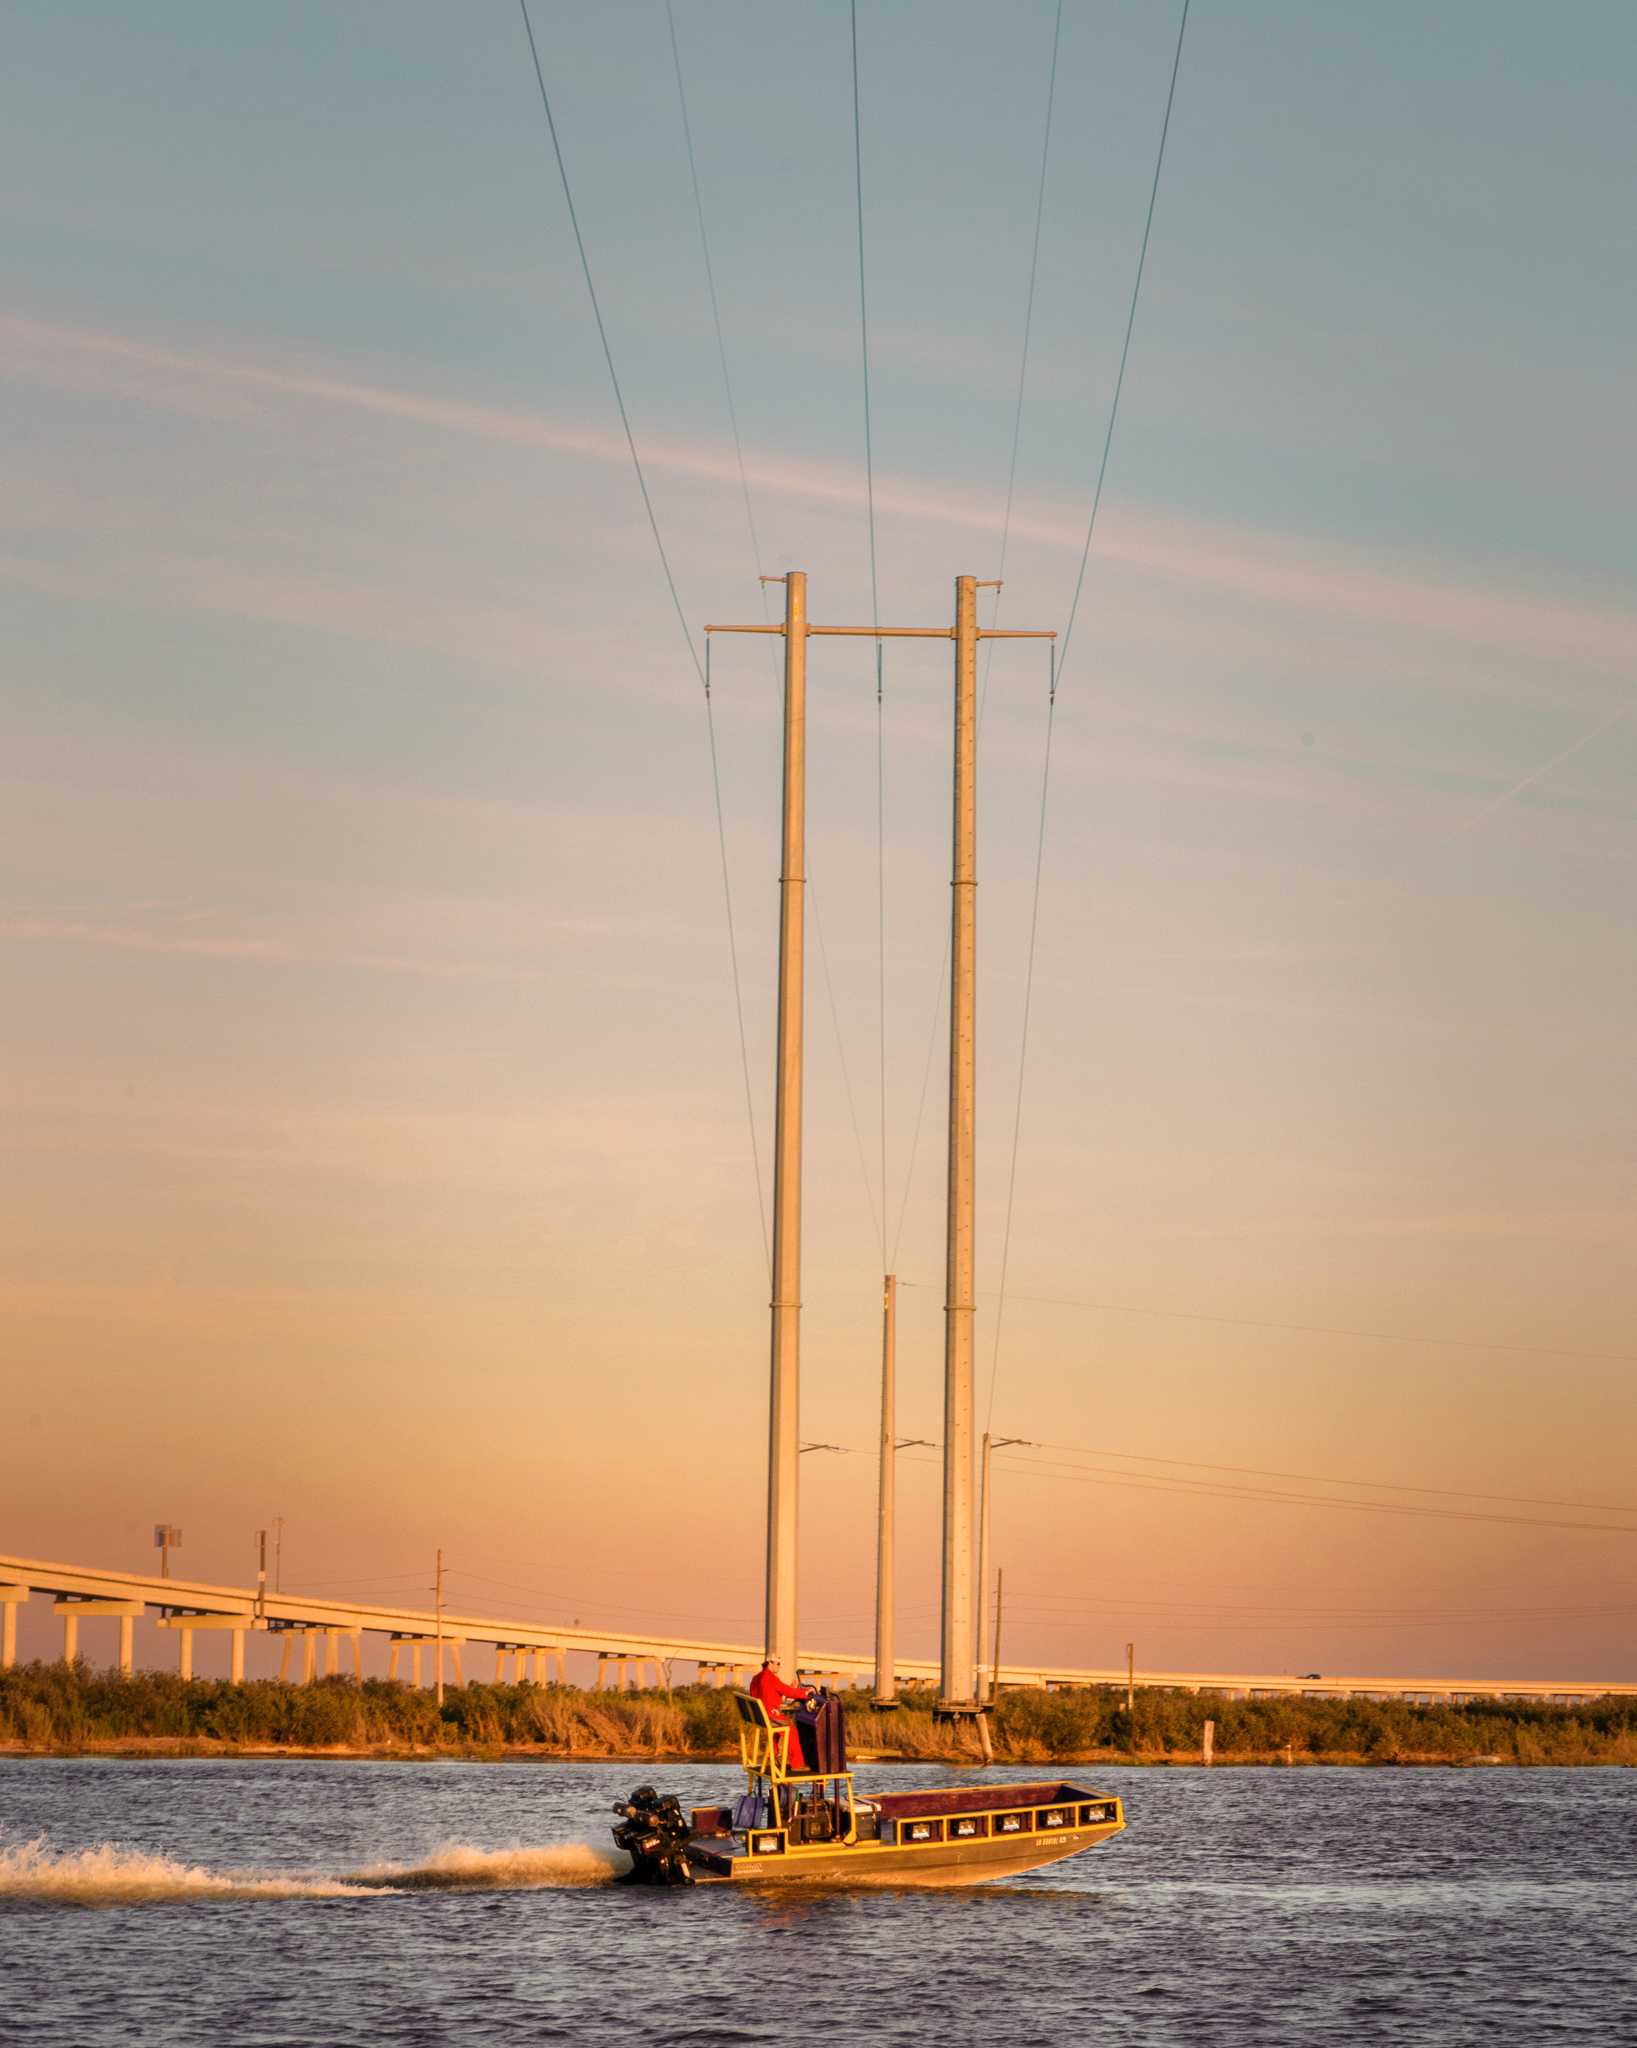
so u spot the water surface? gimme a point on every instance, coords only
(269, 1904)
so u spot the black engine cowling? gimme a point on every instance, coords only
(653, 1831)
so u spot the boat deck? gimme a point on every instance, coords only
(953, 1834)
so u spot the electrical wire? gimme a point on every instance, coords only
(1125, 346)
(920, 1111)
(864, 328)
(1179, 1315)
(1198, 1489)
(1050, 1469)
(841, 1055)
(676, 601)
(875, 621)
(1023, 360)
(715, 302)
(1060, 655)
(1324, 1479)
(1005, 541)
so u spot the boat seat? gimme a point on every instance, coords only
(764, 1744)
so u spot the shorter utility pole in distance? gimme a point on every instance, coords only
(438, 1597)
(991, 1444)
(261, 1573)
(994, 1669)
(886, 1682)
(166, 1538)
(278, 1553)
(1131, 1678)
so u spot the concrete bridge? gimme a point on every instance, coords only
(419, 1642)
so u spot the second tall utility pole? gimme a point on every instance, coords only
(784, 1406)
(958, 1691)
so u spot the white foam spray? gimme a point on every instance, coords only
(115, 1875)
(112, 1875)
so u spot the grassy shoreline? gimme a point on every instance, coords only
(60, 1710)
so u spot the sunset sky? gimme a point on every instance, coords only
(377, 1143)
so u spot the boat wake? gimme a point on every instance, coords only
(459, 1867)
(113, 1875)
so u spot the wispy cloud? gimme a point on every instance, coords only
(1274, 569)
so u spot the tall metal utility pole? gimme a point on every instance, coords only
(783, 1407)
(991, 1444)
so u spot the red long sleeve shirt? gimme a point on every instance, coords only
(768, 1687)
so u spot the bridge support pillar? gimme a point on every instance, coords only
(11, 1598)
(237, 1626)
(71, 1606)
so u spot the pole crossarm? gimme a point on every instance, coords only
(896, 632)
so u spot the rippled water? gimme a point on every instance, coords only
(270, 1903)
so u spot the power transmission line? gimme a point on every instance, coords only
(676, 602)
(1324, 1479)
(761, 583)
(1205, 1489)
(1125, 346)
(1051, 707)
(1023, 355)
(875, 620)
(716, 307)
(841, 1055)
(1085, 1475)
(864, 328)
(989, 649)
(1179, 1315)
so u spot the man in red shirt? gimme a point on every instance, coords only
(768, 1687)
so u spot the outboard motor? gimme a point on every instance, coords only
(653, 1831)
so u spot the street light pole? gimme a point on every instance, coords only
(991, 1444)
(438, 1597)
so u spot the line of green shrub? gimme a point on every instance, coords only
(60, 1706)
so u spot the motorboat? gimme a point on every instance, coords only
(801, 1820)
